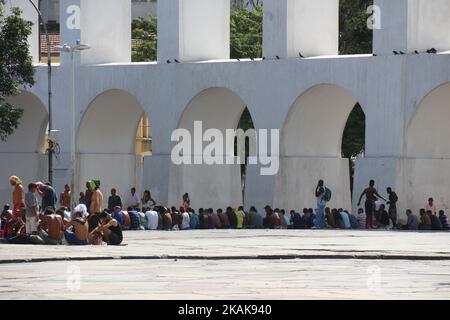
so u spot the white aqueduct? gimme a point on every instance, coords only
(406, 100)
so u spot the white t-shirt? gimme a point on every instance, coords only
(152, 220)
(185, 222)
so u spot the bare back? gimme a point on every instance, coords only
(54, 224)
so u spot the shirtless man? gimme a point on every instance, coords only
(80, 226)
(371, 193)
(50, 229)
(18, 196)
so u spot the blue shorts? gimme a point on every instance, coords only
(72, 239)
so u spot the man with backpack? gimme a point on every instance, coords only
(323, 195)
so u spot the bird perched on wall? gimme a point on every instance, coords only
(168, 61)
(264, 58)
(416, 52)
(432, 50)
(300, 55)
(401, 52)
(395, 52)
(278, 57)
(238, 59)
(176, 61)
(253, 59)
(375, 55)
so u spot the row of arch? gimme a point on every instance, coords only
(115, 123)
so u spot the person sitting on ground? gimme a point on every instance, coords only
(110, 230)
(329, 218)
(193, 219)
(167, 220)
(412, 222)
(231, 217)
(114, 200)
(147, 201)
(31, 210)
(384, 218)
(361, 219)
(312, 216)
(436, 224)
(7, 222)
(444, 220)
(152, 219)
(225, 222)
(425, 221)
(338, 219)
(240, 218)
(77, 231)
(296, 220)
(282, 224)
(50, 229)
(431, 206)
(306, 219)
(345, 219)
(6, 214)
(119, 216)
(353, 220)
(185, 219)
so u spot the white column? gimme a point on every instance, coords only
(293, 26)
(409, 25)
(193, 30)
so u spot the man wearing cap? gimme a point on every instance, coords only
(18, 196)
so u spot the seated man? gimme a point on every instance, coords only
(361, 219)
(425, 220)
(383, 218)
(413, 221)
(436, 224)
(444, 220)
(329, 218)
(152, 219)
(77, 231)
(50, 229)
(118, 215)
(109, 229)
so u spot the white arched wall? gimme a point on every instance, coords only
(311, 143)
(426, 167)
(106, 144)
(213, 186)
(24, 148)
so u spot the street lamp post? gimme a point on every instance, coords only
(49, 64)
(71, 50)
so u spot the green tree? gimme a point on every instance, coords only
(354, 36)
(16, 67)
(145, 32)
(246, 33)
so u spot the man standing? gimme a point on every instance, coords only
(393, 198)
(431, 206)
(18, 197)
(65, 197)
(371, 193)
(134, 200)
(47, 194)
(31, 210)
(96, 206)
(319, 222)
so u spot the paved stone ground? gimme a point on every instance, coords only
(235, 264)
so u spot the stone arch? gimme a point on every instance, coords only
(311, 146)
(107, 140)
(428, 130)
(217, 185)
(25, 148)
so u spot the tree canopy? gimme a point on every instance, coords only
(16, 66)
